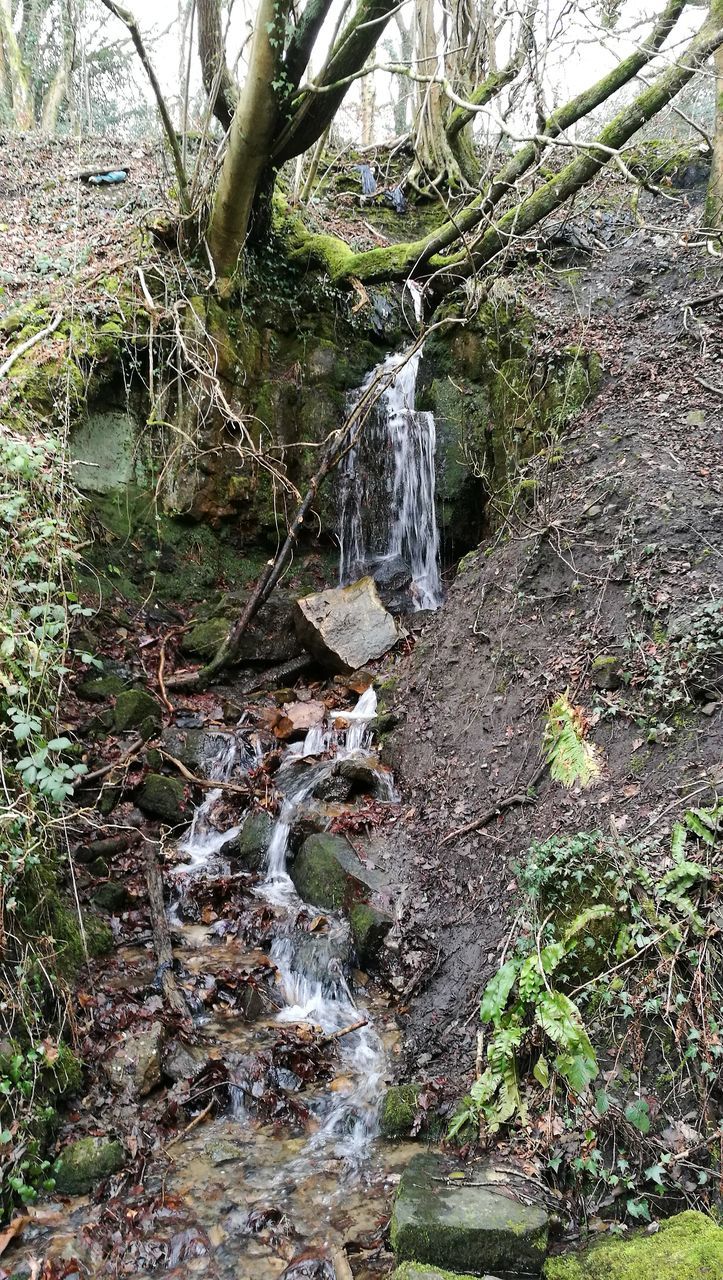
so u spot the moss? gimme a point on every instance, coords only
(686, 1247)
(398, 1110)
(133, 708)
(369, 927)
(205, 638)
(85, 1163)
(101, 687)
(163, 798)
(422, 1271)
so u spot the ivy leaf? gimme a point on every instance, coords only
(497, 991)
(638, 1209)
(602, 1102)
(637, 1113)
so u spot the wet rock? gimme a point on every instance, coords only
(181, 1061)
(85, 1163)
(393, 578)
(365, 776)
(322, 957)
(369, 928)
(133, 708)
(327, 873)
(250, 845)
(398, 1110)
(345, 627)
(466, 1225)
(298, 718)
(606, 672)
(193, 747)
(688, 1246)
(332, 787)
(163, 798)
(135, 1066)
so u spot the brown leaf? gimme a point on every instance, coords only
(16, 1226)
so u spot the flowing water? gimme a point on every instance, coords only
(387, 489)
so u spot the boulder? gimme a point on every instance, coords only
(98, 688)
(164, 798)
(345, 627)
(393, 578)
(322, 957)
(269, 640)
(82, 1165)
(134, 709)
(298, 717)
(193, 747)
(468, 1225)
(607, 672)
(369, 928)
(111, 897)
(135, 1066)
(250, 845)
(686, 1247)
(327, 873)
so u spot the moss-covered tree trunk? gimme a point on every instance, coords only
(16, 72)
(714, 201)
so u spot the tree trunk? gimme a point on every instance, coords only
(250, 141)
(16, 70)
(217, 79)
(714, 199)
(435, 164)
(368, 104)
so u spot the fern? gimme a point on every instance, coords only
(571, 759)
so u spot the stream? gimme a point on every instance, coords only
(247, 1196)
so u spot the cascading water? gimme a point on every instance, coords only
(387, 488)
(348, 1119)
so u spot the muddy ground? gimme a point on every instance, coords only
(625, 535)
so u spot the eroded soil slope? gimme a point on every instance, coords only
(616, 557)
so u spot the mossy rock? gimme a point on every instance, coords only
(250, 845)
(686, 1247)
(101, 687)
(442, 1218)
(206, 638)
(369, 928)
(398, 1110)
(133, 708)
(85, 1163)
(164, 798)
(110, 897)
(327, 873)
(422, 1271)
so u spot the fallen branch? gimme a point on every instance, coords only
(344, 1031)
(208, 784)
(509, 802)
(94, 776)
(31, 342)
(192, 1124)
(161, 934)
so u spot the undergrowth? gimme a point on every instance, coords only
(602, 1040)
(43, 937)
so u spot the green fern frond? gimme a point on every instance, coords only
(571, 759)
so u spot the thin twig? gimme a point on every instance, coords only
(207, 783)
(31, 342)
(136, 744)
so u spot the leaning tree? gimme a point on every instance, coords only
(282, 109)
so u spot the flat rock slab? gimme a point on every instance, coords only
(465, 1223)
(345, 627)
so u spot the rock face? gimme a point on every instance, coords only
(686, 1247)
(85, 1163)
(345, 627)
(136, 1065)
(468, 1226)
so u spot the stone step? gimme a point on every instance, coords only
(451, 1216)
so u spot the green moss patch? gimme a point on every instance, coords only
(686, 1247)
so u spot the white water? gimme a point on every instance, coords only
(347, 1118)
(348, 1121)
(387, 487)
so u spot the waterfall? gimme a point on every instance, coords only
(387, 488)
